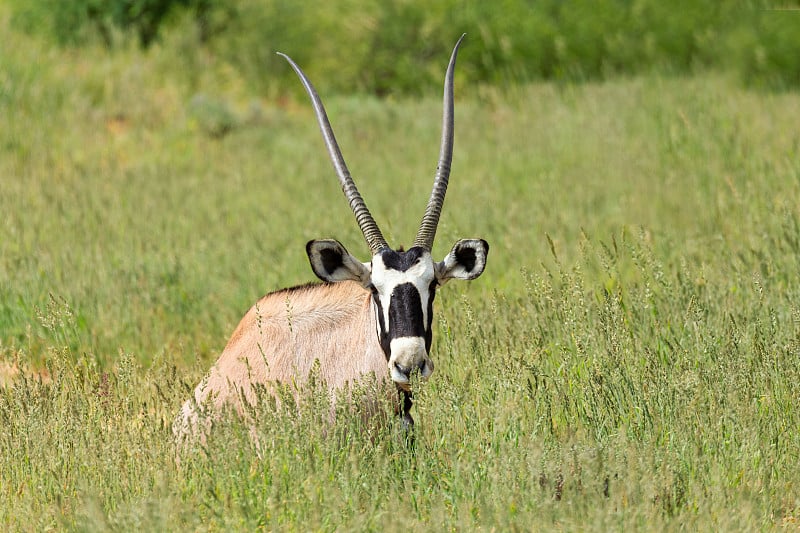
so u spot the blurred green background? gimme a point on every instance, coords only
(394, 47)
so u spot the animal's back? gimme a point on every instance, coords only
(281, 337)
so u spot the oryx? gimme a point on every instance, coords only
(366, 320)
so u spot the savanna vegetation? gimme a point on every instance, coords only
(360, 45)
(630, 359)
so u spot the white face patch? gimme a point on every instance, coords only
(403, 285)
(420, 275)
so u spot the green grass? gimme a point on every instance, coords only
(630, 358)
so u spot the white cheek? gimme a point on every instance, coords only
(424, 297)
(375, 309)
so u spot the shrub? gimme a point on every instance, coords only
(399, 47)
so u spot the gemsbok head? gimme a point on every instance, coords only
(369, 320)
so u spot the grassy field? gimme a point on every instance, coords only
(629, 360)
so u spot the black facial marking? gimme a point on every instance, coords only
(405, 312)
(429, 329)
(401, 261)
(331, 260)
(466, 257)
(405, 303)
(384, 333)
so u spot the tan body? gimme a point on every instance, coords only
(281, 337)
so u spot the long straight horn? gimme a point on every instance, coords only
(368, 226)
(427, 228)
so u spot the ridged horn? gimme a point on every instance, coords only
(368, 226)
(427, 228)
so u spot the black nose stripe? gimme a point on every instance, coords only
(405, 312)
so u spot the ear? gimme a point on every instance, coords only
(331, 262)
(465, 261)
